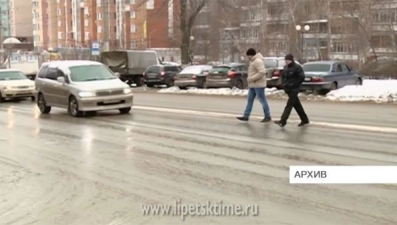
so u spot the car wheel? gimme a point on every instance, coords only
(359, 81)
(42, 104)
(138, 80)
(203, 84)
(125, 110)
(1, 98)
(73, 108)
(170, 83)
(33, 98)
(150, 85)
(240, 84)
(334, 86)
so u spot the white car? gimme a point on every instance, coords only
(15, 85)
(81, 87)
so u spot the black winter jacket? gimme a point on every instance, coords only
(293, 77)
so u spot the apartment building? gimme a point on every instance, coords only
(350, 30)
(5, 19)
(384, 29)
(76, 23)
(20, 15)
(40, 24)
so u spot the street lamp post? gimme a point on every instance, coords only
(82, 24)
(305, 29)
(190, 50)
(127, 29)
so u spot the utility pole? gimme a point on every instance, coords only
(2, 52)
(105, 5)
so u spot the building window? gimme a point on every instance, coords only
(133, 29)
(99, 16)
(59, 35)
(132, 1)
(277, 45)
(59, 23)
(150, 4)
(133, 14)
(59, 12)
(87, 35)
(341, 47)
(133, 44)
(86, 22)
(99, 29)
(381, 41)
(98, 2)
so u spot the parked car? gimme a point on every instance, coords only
(130, 64)
(161, 74)
(192, 76)
(232, 75)
(274, 69)
(325, 76)
(81, 86)
(15, 85)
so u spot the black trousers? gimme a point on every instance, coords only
(294, 102)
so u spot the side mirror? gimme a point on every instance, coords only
(117, 74)
(61, 80)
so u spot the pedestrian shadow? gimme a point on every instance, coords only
(255, 131)
(294, 134)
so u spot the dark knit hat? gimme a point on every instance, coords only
(251, 52)
(289, 57)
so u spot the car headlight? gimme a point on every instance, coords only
(85, 94)
(127, 91)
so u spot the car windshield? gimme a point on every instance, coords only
(192, 69)
(314, 67)
(90, 73)
(12, 75)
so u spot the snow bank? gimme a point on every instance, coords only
(218, 91)
(371, 90)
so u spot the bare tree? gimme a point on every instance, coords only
(189, 11)
(361, 12)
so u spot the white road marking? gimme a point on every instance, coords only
(223, 115)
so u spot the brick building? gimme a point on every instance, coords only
(133, 24)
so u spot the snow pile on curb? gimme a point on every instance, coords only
(218, 91)
(371, 90)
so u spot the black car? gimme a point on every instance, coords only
(231, 75)
(161, 74)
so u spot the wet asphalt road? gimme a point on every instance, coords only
(55, 169)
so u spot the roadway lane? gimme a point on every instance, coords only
(370, 114)
(55, 169)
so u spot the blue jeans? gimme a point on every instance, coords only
(252, 93)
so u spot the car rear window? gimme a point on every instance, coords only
(171, 69)
(316, 67)
(220, 69)
(153, 69)
(192, 69)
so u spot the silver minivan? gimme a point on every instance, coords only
(81, 87)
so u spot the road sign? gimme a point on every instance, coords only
(95, 48)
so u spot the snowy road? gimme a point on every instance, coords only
(55, 169)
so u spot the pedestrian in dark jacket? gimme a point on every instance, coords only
(293, 77)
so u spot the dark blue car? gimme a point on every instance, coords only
(325, 76)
